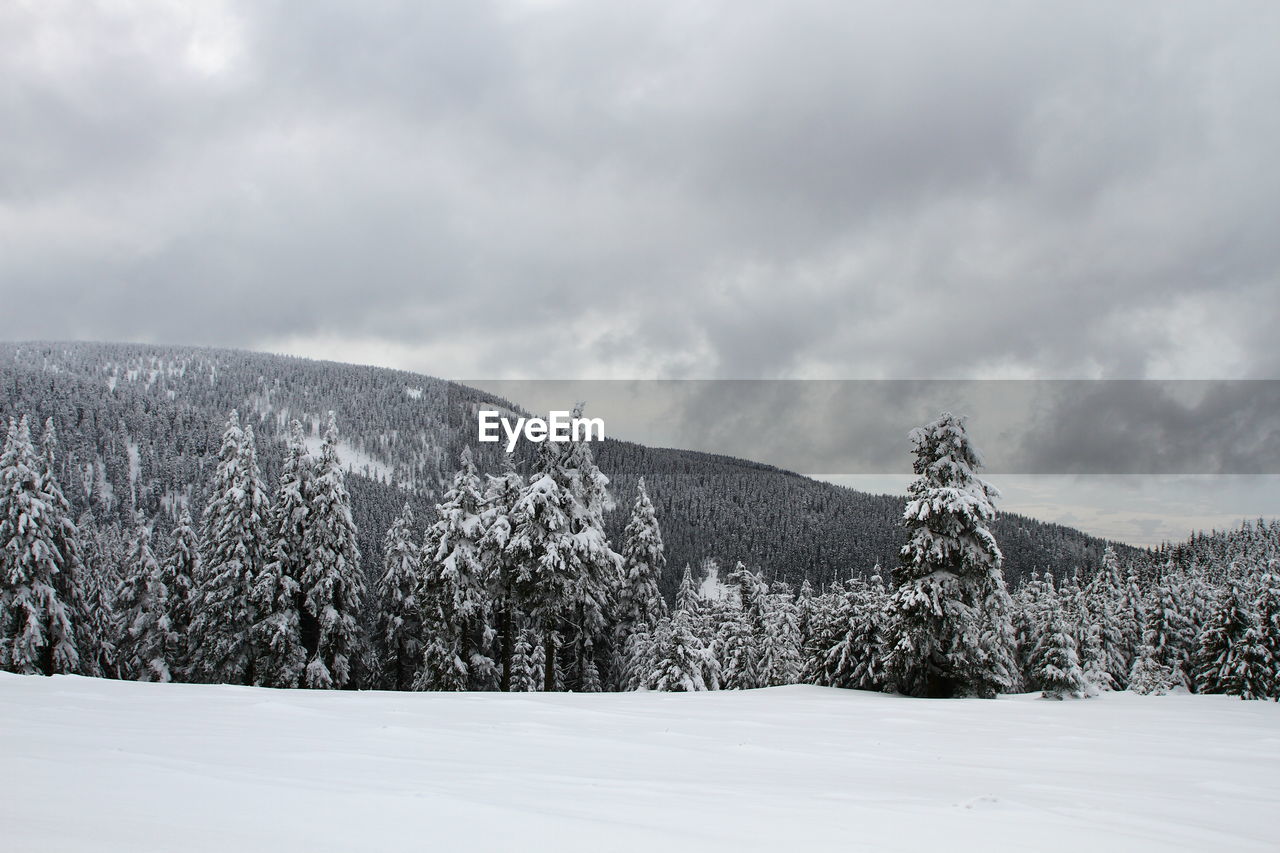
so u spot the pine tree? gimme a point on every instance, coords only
(1169, 633)
(741, 635)
(780, 660)
(1056, 664)
(680, 660)
(399, 621)
(233, 547)
(1233, 657)
(1149, 676)
(452, 554)
(178, 574)
(598, 567)
(854, 660)
(643, 559)
(70, 583)
(1268, 598)
(102, 560)
(500, 497)
(333, 584)
(150, 649)
(565, 571)
(950, 632)
(524, 674)
(277, 593)
(1109, 651)
(688, 598)
(37, 633)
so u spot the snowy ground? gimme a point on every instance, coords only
(111, 766)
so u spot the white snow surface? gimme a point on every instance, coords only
(116, 766)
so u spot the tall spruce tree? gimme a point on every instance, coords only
(233, 546)
(500, 496)
(149, 647)
(950, 633)
(179, 571)
(37, 631)
(680, 661)
(70, 582)
(598, 567)
(277, 592)
(333, 585)
(453, 557)
(643, 559)
(1055, 664)
(399, 620)
(1233, 657)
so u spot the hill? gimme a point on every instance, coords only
(140, 427)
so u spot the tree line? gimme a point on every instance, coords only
(516, 586)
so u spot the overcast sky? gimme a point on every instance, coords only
(652, 190)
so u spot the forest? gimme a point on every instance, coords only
(514, 584)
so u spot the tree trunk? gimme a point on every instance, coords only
(508, 643)
(549, 669)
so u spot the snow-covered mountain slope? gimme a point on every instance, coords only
(140, 426)
(122, 766)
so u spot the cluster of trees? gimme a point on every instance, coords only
(268, 593)
(514, 584)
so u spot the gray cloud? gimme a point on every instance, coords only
(578, 189)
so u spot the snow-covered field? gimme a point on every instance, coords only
(114, 766)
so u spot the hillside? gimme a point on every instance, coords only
(140, 427)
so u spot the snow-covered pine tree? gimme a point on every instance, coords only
(541, 553)
(688, 598)
(1055, 664)
(524, 673)
(780, 660)
(452, 557)
(680, 660)
(70, 582)
(599, 567)
(37, 632)
(637, 658)
(500, 496)
(1268, 599)
(399, 620)
(1232, 657)
(742, 632)
(1149, 676)
(232, 551)
(178, 574)
(804, 613)
(333, 585)
(149, 649)
(1033, 602)
(1131, 610)
(643, 559)
(829, 621)
(102, 560)
(277, 590)
(854, 661)
(1169, 633)
(1108, 631)
(950, 632)
(565, 571)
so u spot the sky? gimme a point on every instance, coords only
(652, 190)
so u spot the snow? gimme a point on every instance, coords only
(352, 458)
(119, 766)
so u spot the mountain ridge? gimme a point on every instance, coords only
(140, 424)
